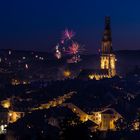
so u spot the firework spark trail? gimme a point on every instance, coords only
(74, 48)
(57, 52)
(67, 35)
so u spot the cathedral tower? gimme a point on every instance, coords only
(108, 59)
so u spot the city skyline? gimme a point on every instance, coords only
(37, 25)
(69, 70)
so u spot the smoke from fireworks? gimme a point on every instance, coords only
(74, 59)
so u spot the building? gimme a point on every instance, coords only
(105, 119)
(4, 120)
(107, 58)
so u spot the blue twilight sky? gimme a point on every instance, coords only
(37, 24)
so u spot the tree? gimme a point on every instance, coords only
(121, 125)
(73, 128)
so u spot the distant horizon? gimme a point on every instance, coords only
(52, 51)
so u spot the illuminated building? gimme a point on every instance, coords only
(4, 120)
(67, 73)
(108, 119)
(105, 119)
(6, 103)
(136, 125)
(15, 82)
(14, 116)
(107, 58)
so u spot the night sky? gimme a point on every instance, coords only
(37, 24)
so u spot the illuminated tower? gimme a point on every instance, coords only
(108, 60)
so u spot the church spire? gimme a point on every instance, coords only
(107, 38)
(108, 59)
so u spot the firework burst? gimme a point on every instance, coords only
(67, 46)
(74, 48)
(67, 35)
